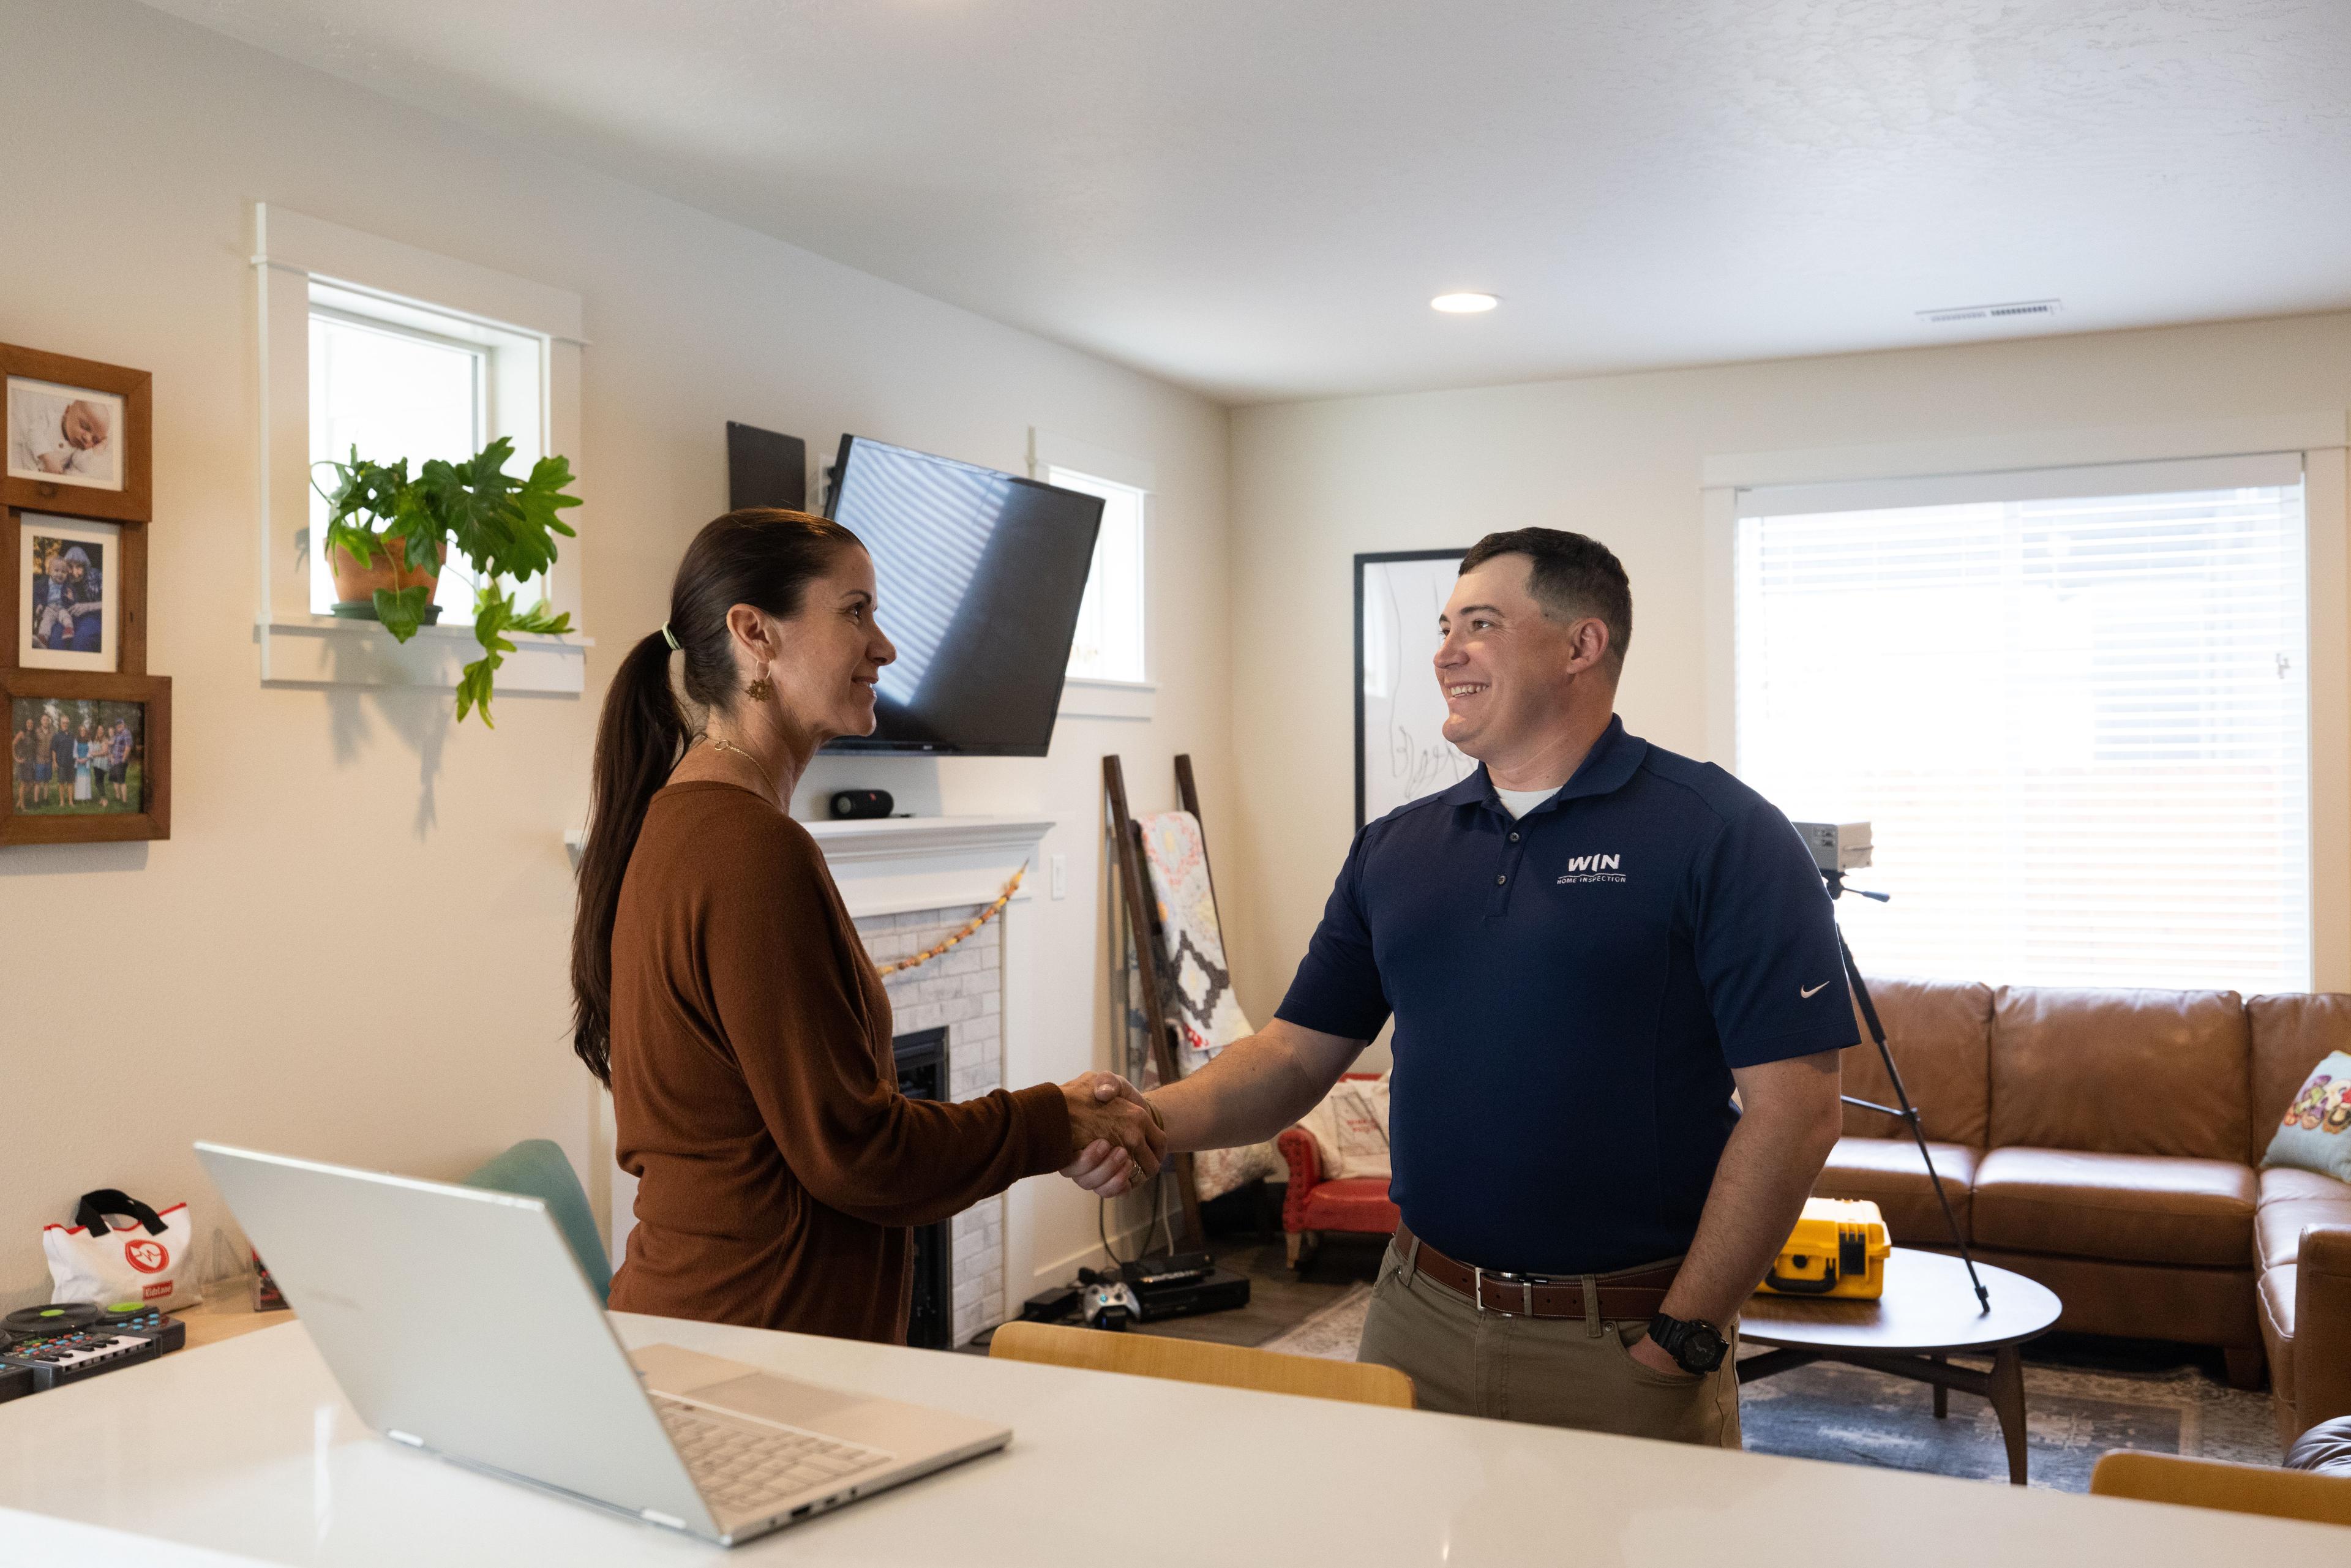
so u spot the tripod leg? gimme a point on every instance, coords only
(1909, 1115)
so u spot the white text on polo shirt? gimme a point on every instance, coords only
(1593, 868)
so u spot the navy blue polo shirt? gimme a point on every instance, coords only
(1570, 992)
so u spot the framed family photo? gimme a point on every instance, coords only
(68, 594)
(76, 436)
(90, 758)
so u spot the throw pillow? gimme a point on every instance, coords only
(2317, 1133)
(1350, 1129)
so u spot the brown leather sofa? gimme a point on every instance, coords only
(2105, 1144)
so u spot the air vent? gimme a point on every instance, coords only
(1994, 312)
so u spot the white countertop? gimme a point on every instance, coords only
(247, 1447)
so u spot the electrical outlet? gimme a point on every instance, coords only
(1060, 876)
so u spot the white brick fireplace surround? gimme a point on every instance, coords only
(910, 883)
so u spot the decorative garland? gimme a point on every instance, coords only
(977, 921)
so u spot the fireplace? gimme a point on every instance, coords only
(922, 1059)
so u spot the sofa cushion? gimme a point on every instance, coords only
(2132, 1208)
(1888, 1173)
(2121, 1072)
(2292, 1200)
(1351, 1203)
(2291, 1034)
(1939, 1033)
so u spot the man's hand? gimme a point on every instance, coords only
(1646, 1350)
(1118, 1136)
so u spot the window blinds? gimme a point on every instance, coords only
(2072, 704)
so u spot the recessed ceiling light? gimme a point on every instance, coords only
(1463, 304)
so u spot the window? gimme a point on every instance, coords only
(392, 391)
(365, 342)
(1109, 642)
(2072, 704)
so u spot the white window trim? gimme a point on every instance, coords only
(298, 647)
(2322, 438)
(1085, 697)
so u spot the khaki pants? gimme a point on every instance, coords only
(1555, 1372)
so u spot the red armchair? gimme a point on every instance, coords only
(1312, 1205)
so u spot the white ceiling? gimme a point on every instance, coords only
(1257, 198)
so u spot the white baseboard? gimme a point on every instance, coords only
(1130, 1240)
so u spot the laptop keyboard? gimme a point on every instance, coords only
(751, 1466)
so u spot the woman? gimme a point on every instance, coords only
(81, 764)
(721, 991)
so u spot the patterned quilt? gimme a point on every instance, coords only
(1199, 1001)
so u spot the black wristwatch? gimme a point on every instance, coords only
(1697, 1346)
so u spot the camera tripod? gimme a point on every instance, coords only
(1905, 1112)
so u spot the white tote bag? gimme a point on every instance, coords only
(150, 1260)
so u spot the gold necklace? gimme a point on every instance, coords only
(718, 744)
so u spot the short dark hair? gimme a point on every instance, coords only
(1573, 576)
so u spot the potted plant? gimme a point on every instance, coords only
(389, 536)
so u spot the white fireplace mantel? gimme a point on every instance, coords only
(888, 865)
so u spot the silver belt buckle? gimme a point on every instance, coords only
(1526, 1283)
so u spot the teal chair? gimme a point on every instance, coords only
(536, 1167)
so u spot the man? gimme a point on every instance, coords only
(1587, 944)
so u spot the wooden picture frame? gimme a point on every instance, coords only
(50, 820)
(121, 493)
(130, 588)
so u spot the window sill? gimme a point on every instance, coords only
(1084, 698)
(321, 651)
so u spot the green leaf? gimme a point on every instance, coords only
(538, 618)
(403, 610)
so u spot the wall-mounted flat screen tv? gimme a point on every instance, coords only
(980, 576)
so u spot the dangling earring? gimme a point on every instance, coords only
(761, 689)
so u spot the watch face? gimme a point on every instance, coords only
(1703, 1349)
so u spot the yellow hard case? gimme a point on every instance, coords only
(1838, 1249)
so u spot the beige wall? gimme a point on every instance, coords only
(355, 944)
(1619, 457)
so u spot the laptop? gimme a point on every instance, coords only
(458, 1322)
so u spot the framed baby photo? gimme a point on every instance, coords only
(78, 436)
(90, 758)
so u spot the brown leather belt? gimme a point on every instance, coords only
(1637, 1294)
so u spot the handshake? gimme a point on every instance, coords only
(1117, 1135)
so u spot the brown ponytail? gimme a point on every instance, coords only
(761, 557)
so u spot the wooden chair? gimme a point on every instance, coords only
(2211, 1484)
(1192, 1361)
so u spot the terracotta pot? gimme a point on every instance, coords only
(357, 584)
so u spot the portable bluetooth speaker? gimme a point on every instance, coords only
(861, 803)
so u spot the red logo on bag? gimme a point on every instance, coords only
(147, 1257)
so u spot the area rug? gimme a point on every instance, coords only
(2074, 1413)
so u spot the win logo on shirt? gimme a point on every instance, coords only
(1593, 868)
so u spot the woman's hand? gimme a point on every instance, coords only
(1117, 1134)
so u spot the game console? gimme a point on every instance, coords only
(1147, 1289)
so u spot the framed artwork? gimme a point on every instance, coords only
(76, 436)
(90, 758)
(1401, 752)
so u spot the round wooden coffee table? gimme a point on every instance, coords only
(1927, 1315)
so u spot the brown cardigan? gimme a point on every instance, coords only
(754, 1093)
